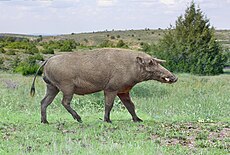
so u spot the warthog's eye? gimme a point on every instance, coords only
(161, 74)
(151, 63)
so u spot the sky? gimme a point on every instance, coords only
(76, 16)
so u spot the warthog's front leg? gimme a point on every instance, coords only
(109, 100)
(126, 100)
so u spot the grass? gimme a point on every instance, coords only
(189, 117)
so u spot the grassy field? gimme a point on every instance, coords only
(189, 117)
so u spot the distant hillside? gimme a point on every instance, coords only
(223, 36)
(133, 38)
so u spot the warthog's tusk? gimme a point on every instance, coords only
(167, 79)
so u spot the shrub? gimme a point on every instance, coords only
(40, 37)
(106, 43)
(121, 44)
(68, 45)
(31, 50)
(1, 62)
(29, 66)
(86, 40)
(62, 45)
(15, 62)
(22, 44)
(118, 36)
(27, 69)
(65, 48)
(47, 51)
(146, 47)
(227, 55)
(2, 50)
(51, 44)
(10, 52)
(191, 45)
(32, 59)
(112, 37)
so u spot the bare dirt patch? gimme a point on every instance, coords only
(194, 135)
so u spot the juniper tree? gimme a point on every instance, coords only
(191, 45)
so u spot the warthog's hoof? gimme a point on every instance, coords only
(79, 120)
(107, 120)
(137, 120)
(44, 122)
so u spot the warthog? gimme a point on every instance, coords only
(115, 71)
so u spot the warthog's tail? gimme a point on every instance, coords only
(32, 90)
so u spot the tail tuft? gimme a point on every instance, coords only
(32, 91)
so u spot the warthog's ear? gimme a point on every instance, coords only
(140, 60)
(159, 60)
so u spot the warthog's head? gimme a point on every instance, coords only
(152, 70)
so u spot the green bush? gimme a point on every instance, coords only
(227, 55)
(1, 63)
(62, 45)
(146, 47)
(47, 51)
(27, 69)
(10, 52)
(31, 50)
(29, 66)
(86, 40)
(2, 50)
(51, 44)
(191, 46)
(18, 45)
(1, 60)
(40, 38)
(106, 43)
(15, 62)
(65, 48)
(33, 59)
(121, 44)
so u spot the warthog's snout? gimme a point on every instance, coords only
(170, 79)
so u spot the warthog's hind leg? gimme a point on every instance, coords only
(66, 103)
(51, 92)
